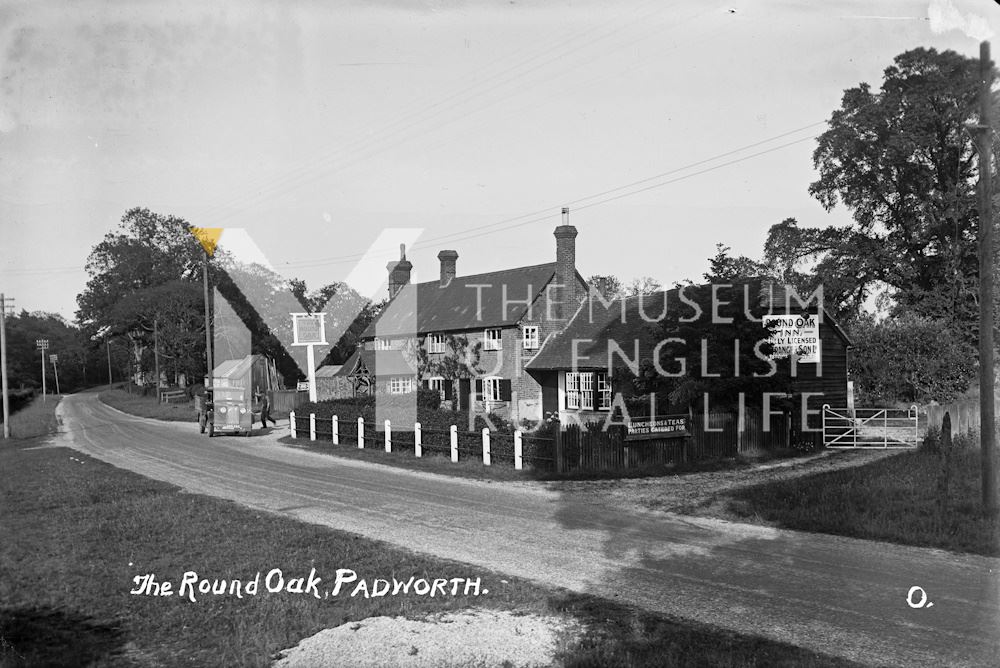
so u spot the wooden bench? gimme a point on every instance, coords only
(173, 395)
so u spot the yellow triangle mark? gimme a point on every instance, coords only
(208, 237)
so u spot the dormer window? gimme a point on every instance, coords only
(529, 336)
(492, 339)
(436, 343)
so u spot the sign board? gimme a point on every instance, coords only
(42, 344)
(302, 385)
(53, 358)
(797, 334)
(308, 329)
(665, 426)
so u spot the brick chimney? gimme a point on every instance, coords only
(449, 259)
(566, 268)
(399, 272)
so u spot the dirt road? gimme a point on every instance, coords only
(834, 595)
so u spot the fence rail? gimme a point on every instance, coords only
(871, 427)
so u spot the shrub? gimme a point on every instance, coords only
(932, 440)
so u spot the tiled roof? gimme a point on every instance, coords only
(378, 363)
(595, 324)
(458, 306)
(327, 371)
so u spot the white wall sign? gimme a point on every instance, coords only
(309, 330)
(794, 334)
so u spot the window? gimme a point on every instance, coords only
(437, 383)
(584, 390)
(400, 385)
(491, 339)
(572, 390)
(435, 343)
(603, 391)
(530, 337)
(587, 391)
(383, 344)
(491, 389)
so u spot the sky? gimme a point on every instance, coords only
(330, 132)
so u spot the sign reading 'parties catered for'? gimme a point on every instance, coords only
(667, 426)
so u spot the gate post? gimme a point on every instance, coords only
(559, 449)
(336, 431)
(486, 446)
(388, 436)
(312, 426)
(885, 428)
(291, 424)
(417, 445)
(361, 432)
(518, 451)
(453, 432)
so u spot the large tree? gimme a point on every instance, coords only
(902, 161)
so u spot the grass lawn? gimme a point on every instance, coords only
(36, 419)
(893, 499)
(77, 531)
(136, 404)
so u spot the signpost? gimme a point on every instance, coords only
(55, 369)
(3, 363)
(794, 334)
(666, 426)
(309, 329)
(42, 345)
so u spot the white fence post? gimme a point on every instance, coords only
(454, 443)
(291, 423)
(312, 426)
(361, 432)
(336, 431)
(518, 451)
(486, 446)
(388, 436)
(417, 449)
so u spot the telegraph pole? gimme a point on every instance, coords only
(986, 257)
(108, 342)
(208, 327)
(3, 364)
(42, 345)
(156, 356)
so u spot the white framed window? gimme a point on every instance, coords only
(383, 344)
(603, 391)
(492, 339)
(491, 388)
(435, 343)
(436, 383)
(587, 391)
(400, 385)
(529, 336)
(572, 389)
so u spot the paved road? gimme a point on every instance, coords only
(833, 595)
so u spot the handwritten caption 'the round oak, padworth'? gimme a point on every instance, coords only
(346, 584)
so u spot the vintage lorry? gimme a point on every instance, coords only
(231, 403)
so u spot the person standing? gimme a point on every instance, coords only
(265, 409)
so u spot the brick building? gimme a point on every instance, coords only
(470, 337)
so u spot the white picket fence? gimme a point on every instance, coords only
(417, 438)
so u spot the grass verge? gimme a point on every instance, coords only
(148, 407)
(77, 531)
(893, 499)
(38, 418)
(470, 465)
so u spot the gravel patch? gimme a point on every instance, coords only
(474, 638)
(706, 494)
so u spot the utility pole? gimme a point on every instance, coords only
(108, 342)
(986, 257)
(3, 363)
(156, 356)
(42, 345)
(55, 369)
(208, 326)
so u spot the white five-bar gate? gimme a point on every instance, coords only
(870, 427)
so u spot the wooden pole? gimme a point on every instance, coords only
(156, 357)
(208, 327)
(3, 366)
(110, 377)
(986, 257)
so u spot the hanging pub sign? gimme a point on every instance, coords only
(797, 334)
(664, 426)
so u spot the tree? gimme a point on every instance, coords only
(902, 161)
(909, 359)
(608, 286)
(644, 285)
(726, 269)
